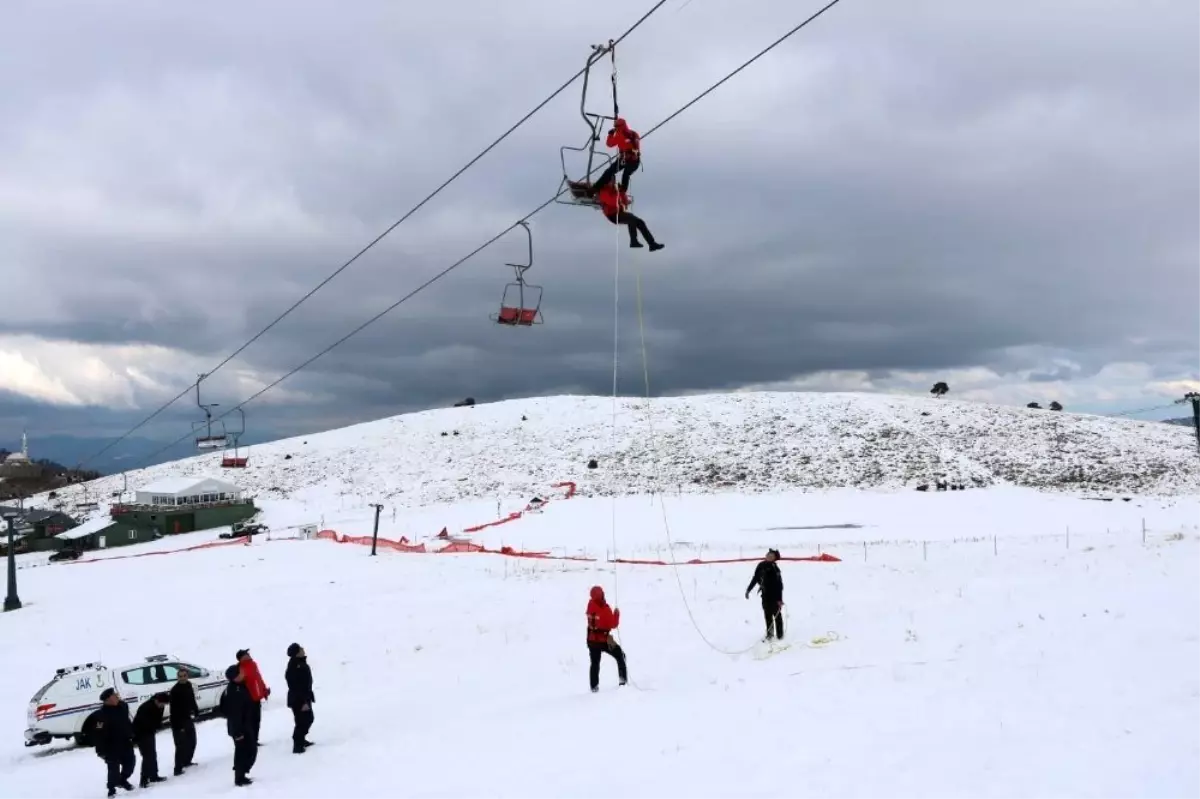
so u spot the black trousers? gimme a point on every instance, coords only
(635, 224)
(595, 650)
(773, 615)
(185, 744)
(148, 747)
(255, 720)
(245, 753)
(626, 167)
(304, 721)
(120, 766)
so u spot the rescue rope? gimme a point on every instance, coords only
(616, 352)
(666, 523)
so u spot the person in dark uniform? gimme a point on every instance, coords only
(146, 721)
(770, 585)
(183, 720)
(300, 696)
(238, 708)
(113, 734)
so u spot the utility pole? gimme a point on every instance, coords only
(1194, 398)
(11, 600)
(375, 534)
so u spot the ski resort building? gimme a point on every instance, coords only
(178, 505)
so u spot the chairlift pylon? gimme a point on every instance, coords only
(576, 190)
(234, 458)
(209, 434)
(522, 302)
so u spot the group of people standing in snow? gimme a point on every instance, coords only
(602, 620)
(115, 736)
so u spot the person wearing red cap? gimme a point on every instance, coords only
(629, 154)
(629, 158)
(601, 621)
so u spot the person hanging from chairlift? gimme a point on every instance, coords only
(629, 158)
(613, 204)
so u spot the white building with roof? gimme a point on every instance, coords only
(172, 491)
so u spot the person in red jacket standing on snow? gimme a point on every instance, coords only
(613, 203)
(602, 620)
(257, 687)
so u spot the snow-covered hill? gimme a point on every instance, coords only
(743, 442)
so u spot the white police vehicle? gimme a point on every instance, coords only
(58, 710)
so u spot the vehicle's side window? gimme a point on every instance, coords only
(139, 676)
(170, 671)
(193, 671)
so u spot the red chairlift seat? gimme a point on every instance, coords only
(522, 302)
(232, 462)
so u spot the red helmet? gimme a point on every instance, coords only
(597, 593)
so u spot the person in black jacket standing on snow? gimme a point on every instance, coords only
(300, 696)
(113, 734)
(183, 721)
(146, 721)
(770, 584)
(238, 709)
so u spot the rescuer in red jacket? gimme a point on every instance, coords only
(257, 687)
(601, 621)
(629, 155)
(613, 203)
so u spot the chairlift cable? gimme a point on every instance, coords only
(375, 241)
(494, 238)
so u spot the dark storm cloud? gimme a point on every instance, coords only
(919, 186)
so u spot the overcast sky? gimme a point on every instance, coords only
(1004, 196)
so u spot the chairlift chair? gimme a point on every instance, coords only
(205, 431)
(576, 191)
(521, 303)
(233, 458)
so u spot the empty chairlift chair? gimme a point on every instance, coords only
(522, 302)
(236, 457)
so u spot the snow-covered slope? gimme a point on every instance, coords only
(1015, 666)
(746, 442)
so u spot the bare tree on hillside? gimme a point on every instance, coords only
(940, 389)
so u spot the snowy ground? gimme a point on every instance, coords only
(1019, 665)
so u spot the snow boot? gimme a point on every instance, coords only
(112, 792)
(656, 246)
(241, 779)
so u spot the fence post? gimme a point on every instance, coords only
(1143, 529)
(1068, 536)
(925, 550)
(995, 549)
(864, 551)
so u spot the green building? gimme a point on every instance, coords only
(166, 507)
